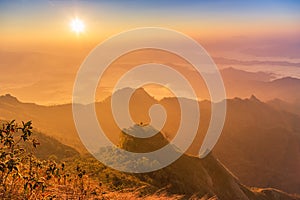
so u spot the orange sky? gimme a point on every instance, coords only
(40, 55)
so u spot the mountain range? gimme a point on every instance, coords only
(260, 144)
(265, 86)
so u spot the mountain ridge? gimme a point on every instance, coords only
(239, 83)
(261, 142)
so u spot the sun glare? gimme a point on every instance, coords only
(77, 25)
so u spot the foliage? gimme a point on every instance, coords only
(23, 176)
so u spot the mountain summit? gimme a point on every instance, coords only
(8, 98)
(206, 178)
(142, 145)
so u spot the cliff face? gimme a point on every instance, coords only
(206, 178)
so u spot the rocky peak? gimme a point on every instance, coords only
(8, 98)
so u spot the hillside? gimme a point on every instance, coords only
(262, 145)
(48, 147)
(51, 148)
(47, 119)
(191, 176)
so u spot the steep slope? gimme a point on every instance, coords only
(205, 178)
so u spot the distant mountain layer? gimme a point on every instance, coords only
(242, 84)
(228, 61)
(286, 106)
(238, 83)
(259, 143)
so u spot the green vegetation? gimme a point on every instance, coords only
(23, 176)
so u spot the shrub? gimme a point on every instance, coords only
(23, 176)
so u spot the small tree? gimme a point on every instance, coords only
(23, 176)
(16, 165)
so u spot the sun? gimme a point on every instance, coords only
(77, 25)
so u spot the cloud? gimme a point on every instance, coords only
(229, 61)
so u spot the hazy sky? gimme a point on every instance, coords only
(40, 55)
(42, 22)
